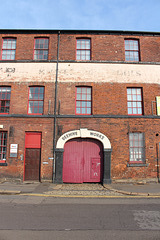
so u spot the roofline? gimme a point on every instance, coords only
(73, 31)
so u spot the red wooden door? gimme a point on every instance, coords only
(72, 162)
(32, 156)
(32, 164)
(83, 161)
(93, 164)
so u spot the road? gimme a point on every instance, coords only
(30, 217)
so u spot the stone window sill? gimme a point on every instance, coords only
(137, 165)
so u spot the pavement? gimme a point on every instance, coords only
(80, 190)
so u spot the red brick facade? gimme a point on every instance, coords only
(108, 75)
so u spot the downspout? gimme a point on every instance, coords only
(55, 107)
(157, 152)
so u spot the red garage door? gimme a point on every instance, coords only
(82, 161)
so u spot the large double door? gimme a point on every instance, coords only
(83, 161)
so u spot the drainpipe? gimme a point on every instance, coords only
(157, 152)
(55, 106)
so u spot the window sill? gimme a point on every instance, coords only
(137, 165)
(35, 114)
(129, 61)
(135, 114)
(83, 114)
(5, 60)
(3, 164)
(40, 60)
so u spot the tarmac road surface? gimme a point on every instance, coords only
(28, 217)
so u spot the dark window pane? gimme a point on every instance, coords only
(83, 49)
(83, 100)
(8, 49)
(37, 96)
(134, 101)
(132, 50)
(136, 145)
(3, 145)
(5, 99)
(40, 52)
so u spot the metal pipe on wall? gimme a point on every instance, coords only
(157, 153)
(55, 106)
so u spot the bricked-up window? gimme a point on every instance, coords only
(5, 94)
(132, 50)
(41, 49)
(136, 146)
(3, 146)
(83, 49)
(36, 98)
(134, 101)
(9, 48)
(83, 100)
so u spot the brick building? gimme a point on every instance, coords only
(79, 106)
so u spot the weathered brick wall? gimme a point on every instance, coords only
(109, 97)
(25, 45)
(117, 129)
(109, 84)
(15, 168)
(109, 94)
(20, 77)
(104, 47)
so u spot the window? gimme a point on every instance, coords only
(5, 93)
(41, 49)
(136, 146)
(36, 97)
(134, 101)
(3, 146)
(9, 49)
(83, 100)
(83, 49)
(132, 50)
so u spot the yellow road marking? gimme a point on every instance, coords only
(88, 196)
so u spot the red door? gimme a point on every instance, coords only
(32, 156)
(83, 161)
(72, 162)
